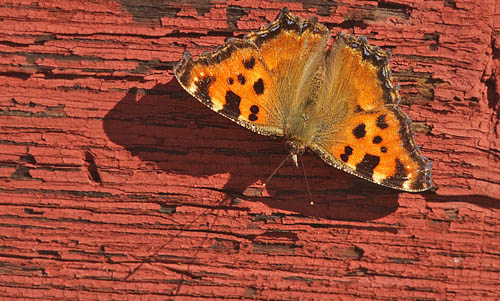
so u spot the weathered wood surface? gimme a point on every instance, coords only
(115, 184)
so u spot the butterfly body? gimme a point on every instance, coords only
(340, 103)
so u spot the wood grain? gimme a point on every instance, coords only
(116, 184)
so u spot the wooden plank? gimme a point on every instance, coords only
(116, 184)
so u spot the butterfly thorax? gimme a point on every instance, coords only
(298, 131)
(299, 122)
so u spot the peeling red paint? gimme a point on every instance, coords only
(115, 184)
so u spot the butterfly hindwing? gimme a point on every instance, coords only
(372, 138)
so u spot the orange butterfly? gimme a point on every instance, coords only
(341, 103)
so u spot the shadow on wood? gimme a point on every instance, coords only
(170, 128)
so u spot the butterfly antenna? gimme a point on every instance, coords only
(276, 169)
(307, 183)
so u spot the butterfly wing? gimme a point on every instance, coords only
(233, 81)
(367, 134)
(253, 81)
(293, 49)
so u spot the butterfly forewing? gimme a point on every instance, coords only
(289, 42)
(233, 81)
(293, 50)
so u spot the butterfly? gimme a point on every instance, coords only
(340, 102)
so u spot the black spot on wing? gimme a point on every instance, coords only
(230, 80)
(249, 63)
(347, 152)
(258, 86)
(359, 131)
(377, 139)
(368, 164)
(232, 106)
(254, 111)
(383, 149)
(381, 123)
(241, 79)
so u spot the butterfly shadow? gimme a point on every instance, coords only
(476, 199)
(167, 127)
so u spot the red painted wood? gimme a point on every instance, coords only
(116, 184)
